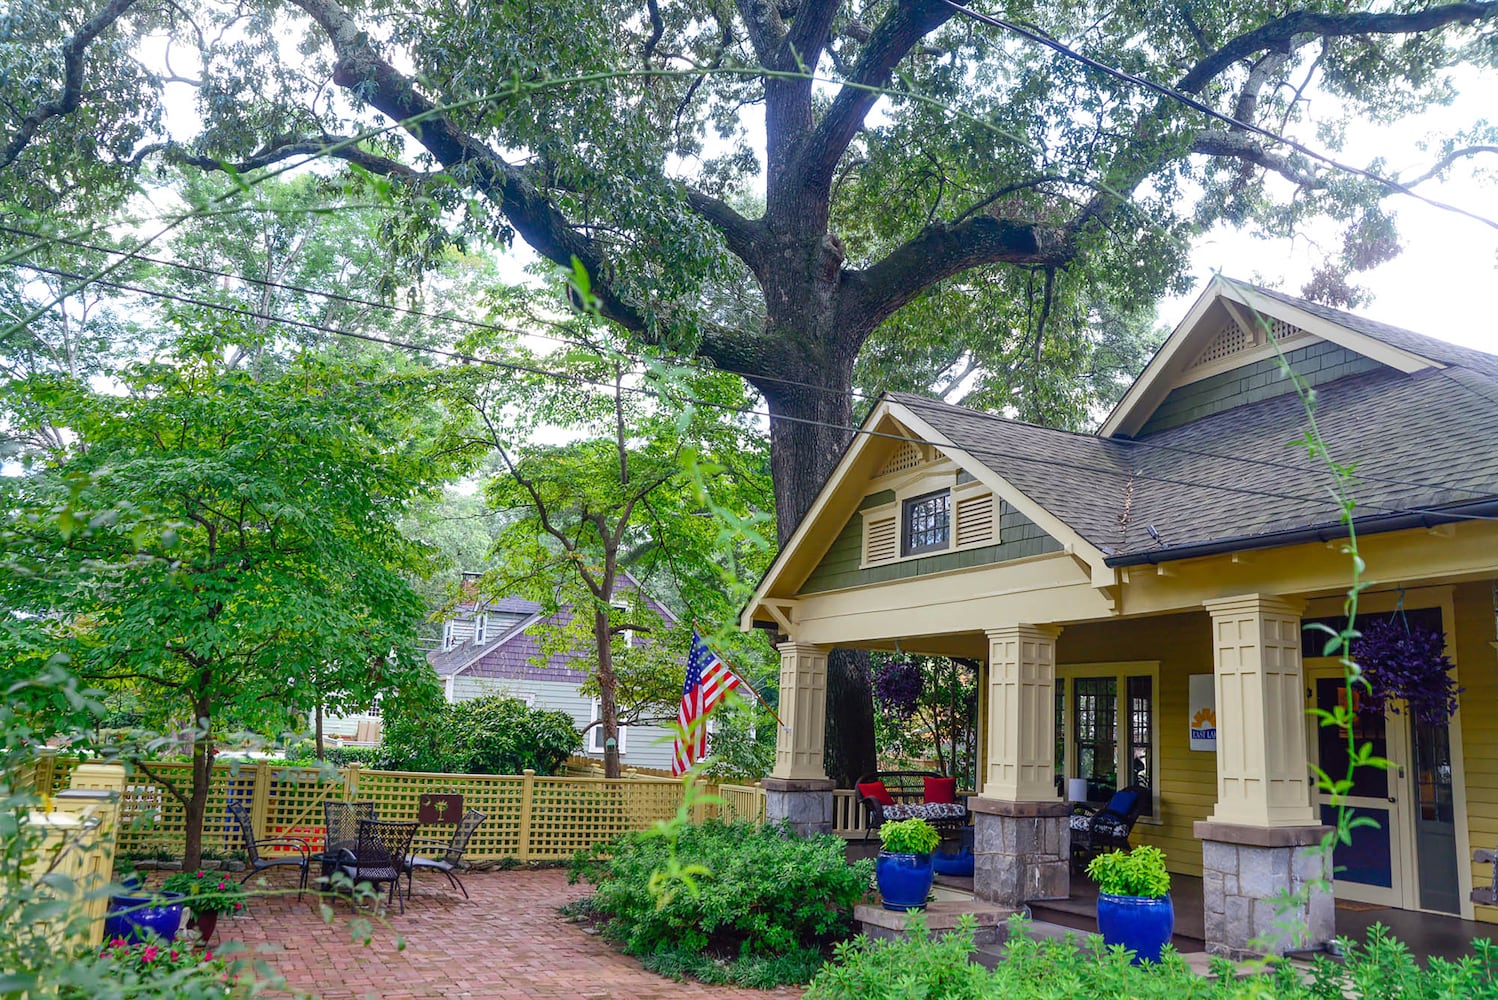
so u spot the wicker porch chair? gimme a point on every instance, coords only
(452, 854)
(379, 854)
(302, 860)
(1094, 832)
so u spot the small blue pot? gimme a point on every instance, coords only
(137, 918)
(904, 880)
(1141, 925)
(959, 865)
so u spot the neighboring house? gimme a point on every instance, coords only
(494, 649)
(1126, 587)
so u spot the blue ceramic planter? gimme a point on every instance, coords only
(904, 880)
(959, 864)
(1141, 925)
(136, 918)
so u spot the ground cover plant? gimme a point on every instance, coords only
(766, 907)
(924, 967)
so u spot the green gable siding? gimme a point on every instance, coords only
(1020, 537)
(1317, 364)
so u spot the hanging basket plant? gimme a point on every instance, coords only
(1406, 664)
(898, 687)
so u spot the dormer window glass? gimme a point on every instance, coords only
(480, 628)
(926, 523)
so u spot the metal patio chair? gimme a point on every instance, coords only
(452, 854)
(303, 859)
(1096, 831)
(379, 855)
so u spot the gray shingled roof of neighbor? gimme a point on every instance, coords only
(1424, 445)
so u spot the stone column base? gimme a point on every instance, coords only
(1021, 850)
(1265, 890)
(805, 802)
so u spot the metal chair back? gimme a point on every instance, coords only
(241, 816)
(462, 835)
(341, 820)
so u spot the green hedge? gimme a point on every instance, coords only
(926, 968)
(768, 911)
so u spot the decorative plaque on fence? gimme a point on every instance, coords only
(433, 808)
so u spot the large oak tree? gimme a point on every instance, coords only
(932, 158)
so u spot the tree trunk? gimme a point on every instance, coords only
(608, 707)
(804, 449)
(317, 724)
(202, 780)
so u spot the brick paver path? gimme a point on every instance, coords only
(507, 942)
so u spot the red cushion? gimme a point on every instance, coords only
(940, 789)
(876, 791)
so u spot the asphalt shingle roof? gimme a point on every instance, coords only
(1419, 442)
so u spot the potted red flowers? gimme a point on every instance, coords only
(206, 894)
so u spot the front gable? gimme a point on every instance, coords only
(903, 502)
(1221, 356)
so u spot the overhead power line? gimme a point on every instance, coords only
(744, 410)
(696, 366)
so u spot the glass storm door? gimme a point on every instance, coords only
(1435, 818)
(1374, 867)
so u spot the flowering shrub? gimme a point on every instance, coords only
(157, 969)
(207, 892)
(1400, 662)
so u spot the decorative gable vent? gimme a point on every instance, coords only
(881, 537)
(1232, 340)
(907, 456)
(975, 520)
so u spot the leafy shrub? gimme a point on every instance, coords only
(1140, 872)
(207, 892)
(161, 972)
(909, 836)
(492, 735)
(925, 968)
(767, 894)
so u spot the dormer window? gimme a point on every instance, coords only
(926, 524)
(480, 629)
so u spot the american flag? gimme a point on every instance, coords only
(708, 681)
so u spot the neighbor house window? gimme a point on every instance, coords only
(595, 735)
(927, 523)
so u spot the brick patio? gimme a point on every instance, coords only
(507, 943)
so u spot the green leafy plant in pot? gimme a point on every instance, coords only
(904, 871)
(206, 894)
(1133, 904)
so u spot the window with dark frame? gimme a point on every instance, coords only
(1141, 704)
(927, 523)
(1096, 734)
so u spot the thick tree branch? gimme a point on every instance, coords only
(1448, 160)
(745, 237)
(1241, 146)
(764, 26)
(891, 40)
(368, 75)
(1281, 31)
(939, 252)
(74, 51)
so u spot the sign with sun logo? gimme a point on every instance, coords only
(1203, 709)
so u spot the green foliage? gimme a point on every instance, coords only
(159, 971)
(923, 967)
(207, 892)
(909, 836)
(927, 707)
(1140, 872)
(760, 892)
(490, 735)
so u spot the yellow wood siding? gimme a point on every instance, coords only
(1477, 668)
(1188, 779)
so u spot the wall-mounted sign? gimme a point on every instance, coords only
(433, 808)
(1202, 705)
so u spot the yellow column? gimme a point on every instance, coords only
(803, 708)
(1262, 769)
(1021, 714)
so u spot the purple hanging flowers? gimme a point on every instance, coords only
(898, 687)
(1400, 662)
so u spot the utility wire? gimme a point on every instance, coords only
(851, 393)
(744, 410)
(1208, 110)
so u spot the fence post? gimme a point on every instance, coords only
(350, 783)
(42, 776)
(260, 801)
(759, 802)
(527, 790)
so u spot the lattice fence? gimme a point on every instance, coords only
(528, 817)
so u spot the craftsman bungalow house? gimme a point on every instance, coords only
(1124, 586)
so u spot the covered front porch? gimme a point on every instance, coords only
(1111, 701)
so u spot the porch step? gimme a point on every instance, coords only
(990, 955)
(940, 915)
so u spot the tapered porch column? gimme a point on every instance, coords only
(1021, 840)
(1260, 845)
(798, 788)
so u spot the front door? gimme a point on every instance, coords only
(1376, 866)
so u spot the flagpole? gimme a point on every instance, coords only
(758, 697)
